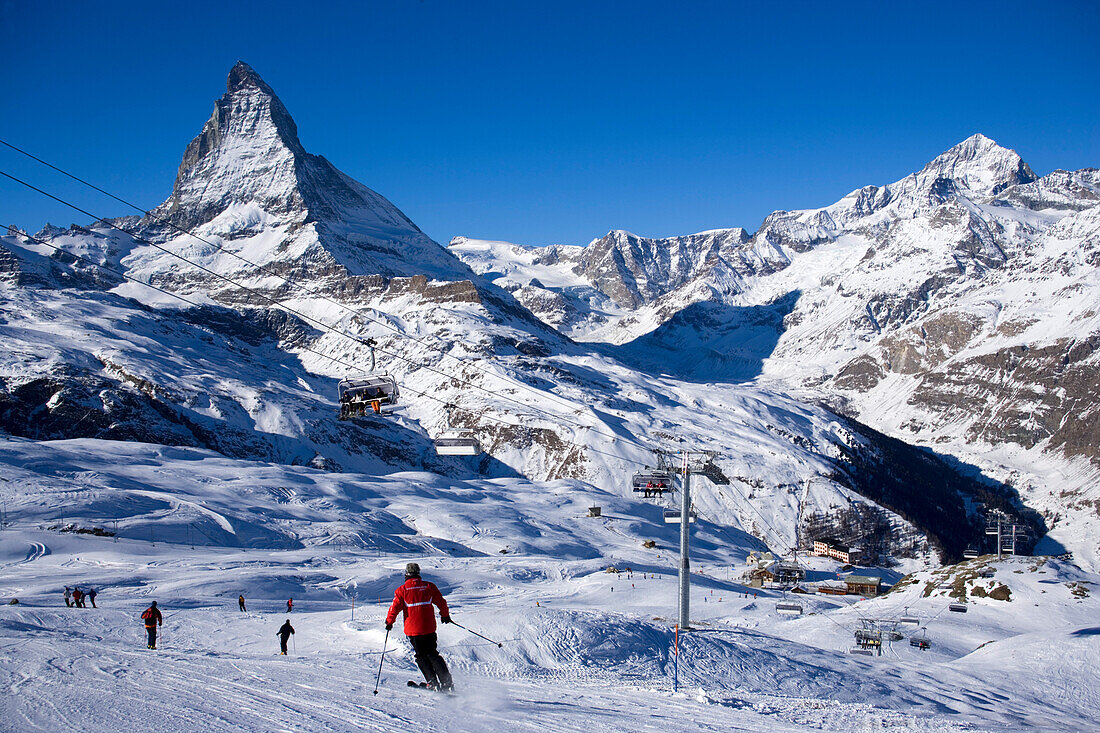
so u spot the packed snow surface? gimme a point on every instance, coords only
(520, 562)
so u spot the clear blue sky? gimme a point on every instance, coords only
(546, 122)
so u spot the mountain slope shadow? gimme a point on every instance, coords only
(711, 342)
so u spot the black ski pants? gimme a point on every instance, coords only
(282, 642)
(152, 631)
(431, 664)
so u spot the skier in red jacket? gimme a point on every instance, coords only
(415, 597)
(152, 618)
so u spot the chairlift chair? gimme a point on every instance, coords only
(957, 607)
(457, 442)
(970, 553)
(920, 640)
(862, 651)
(868, 637)
(788, 608)
(652, 482)
(370, 392)
(912, 620)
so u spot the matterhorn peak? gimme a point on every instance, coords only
(242, 75)
(980, 165)
(247, 170)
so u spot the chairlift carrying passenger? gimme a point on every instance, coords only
(371, 391)
(652, 482)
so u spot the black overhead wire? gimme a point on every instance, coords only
(767, 524)
(331, 358)
(289, 281)
(324, 326)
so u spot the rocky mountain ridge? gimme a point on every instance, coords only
(956, 308)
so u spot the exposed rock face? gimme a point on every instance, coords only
(1028, 396)
(635, 271)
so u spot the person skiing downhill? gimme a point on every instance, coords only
(289, 605)
(284, 633)
(240, 601)
(152, 619)
(415, 597)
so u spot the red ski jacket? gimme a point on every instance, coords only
(152, 617)
(415, 597)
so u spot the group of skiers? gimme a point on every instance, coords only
(414, 599)
(77, 598)
(289, 603)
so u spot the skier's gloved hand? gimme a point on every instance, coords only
(389, 627)
(445, 619)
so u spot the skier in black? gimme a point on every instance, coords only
(240, 601)
(284, 633)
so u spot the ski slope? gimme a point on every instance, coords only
(583, 648)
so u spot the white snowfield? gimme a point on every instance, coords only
(519, 562)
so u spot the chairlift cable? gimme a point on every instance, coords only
(331, 358)
(321, 324)
(289, 281)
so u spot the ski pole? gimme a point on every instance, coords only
(486, 638)
(379, 677)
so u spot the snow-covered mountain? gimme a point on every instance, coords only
(247, 185)
(295, 250)
(956, 308)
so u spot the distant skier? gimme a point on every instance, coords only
(68, 597)
(284, 633)
(289, 605)
(152, 619)
(91, 597)
(415, 598)
(78, 597)
(240, 601)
